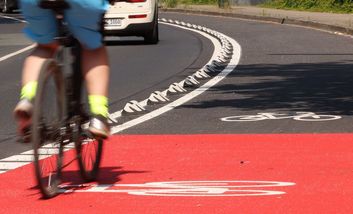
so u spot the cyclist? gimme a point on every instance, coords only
(84, 19)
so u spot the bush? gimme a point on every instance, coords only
(170, 3)
(174, 3)
(198, 1)
(315, 5)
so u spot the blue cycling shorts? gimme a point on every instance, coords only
(83, 18)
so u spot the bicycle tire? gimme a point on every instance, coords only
(89, 152)
(46, 132)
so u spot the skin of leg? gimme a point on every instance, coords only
(34, 61)
(95, 66)
(30, 73)
(94, 63)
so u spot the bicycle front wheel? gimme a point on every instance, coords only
(89, 154)
(89, 151)
(47, 123)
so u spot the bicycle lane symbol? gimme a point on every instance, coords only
(185, 188)
(299, 116)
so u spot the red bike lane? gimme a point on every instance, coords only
(243, 173)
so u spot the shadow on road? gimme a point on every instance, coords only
(319, 87)
(107, 175)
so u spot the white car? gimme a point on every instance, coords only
(133, 18)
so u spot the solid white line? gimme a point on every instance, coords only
(9, 17)
(17, 52)
(231, 66)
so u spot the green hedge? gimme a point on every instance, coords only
(344, 6)
(174, 3)
(340, 6)
(198, 1)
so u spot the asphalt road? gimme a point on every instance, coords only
(283, 69)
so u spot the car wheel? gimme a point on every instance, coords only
(152, 37)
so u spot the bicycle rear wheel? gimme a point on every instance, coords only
(89, 153)
(48, 121)
(88, 148)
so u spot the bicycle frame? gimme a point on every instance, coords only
(69, 51)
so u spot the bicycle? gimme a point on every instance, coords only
(59, 121)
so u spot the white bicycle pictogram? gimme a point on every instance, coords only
(185, 188)
(301, 116)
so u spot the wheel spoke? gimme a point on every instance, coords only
(90, 151)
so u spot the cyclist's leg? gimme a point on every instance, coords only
(30, 73)
(84, 20)
(96, 73)
(33, 63)
(41, 28)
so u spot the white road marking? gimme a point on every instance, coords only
(300, 116)
(17, 52)
(13, 18)
(18, 158)
(23, 159)
(231, 66)
(185, 188)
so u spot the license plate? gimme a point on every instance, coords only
(113, 22)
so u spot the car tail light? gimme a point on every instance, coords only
(137, 16)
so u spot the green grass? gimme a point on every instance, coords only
(336, 6)
(198, 1)
(174, 3)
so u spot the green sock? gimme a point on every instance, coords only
(28, 91)
(98, 105)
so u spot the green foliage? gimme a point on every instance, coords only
(174, 3)
(343, 6)
(170, 3)
(198, 1)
